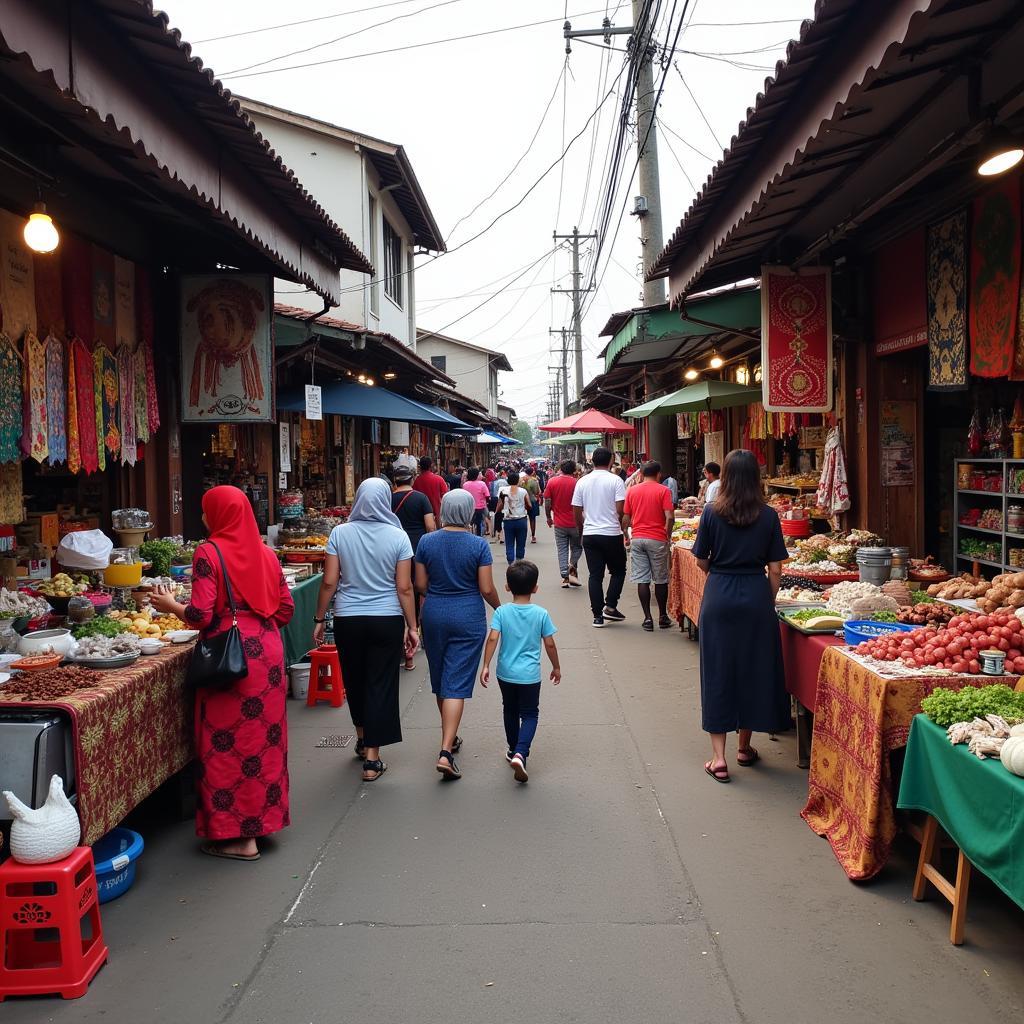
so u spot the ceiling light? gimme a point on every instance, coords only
(1000, 152)
(40, 234)
(716, 362)
(691, 374)
(369, 382)
(390, 375)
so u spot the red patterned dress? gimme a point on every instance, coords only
(241, 733)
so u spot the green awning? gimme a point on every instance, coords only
(574, 439)
(702, 397)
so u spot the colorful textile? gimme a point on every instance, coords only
(898, 294)
(141, 405)
(152, 407)
(126, 404)
(802, 654)
(834, 486)
(103, 297)
(12, 500)
(242, 732)
(34, 440)
(860, 719)
(947, 303)
(124, 302)
(17, 278)
(685, 586)
(11, 383)
(74, 442)
(796, 339)
(85, 403)
(979, 803)
(995, 279)
(1017, 366)
(131, 733)
(107, 406)
(76, 284)
(56, 397)
(49, 295)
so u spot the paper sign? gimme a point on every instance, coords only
(284, 446)
(314, 409)
(282, 480)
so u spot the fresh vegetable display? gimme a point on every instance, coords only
(803, 614)
(102, 625)
(956, 646)
(160, 552)
(947, 707)
(987, 551)
(1005, 593)
(61, 585)
(885, 616)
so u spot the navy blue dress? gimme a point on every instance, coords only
(454, 620)
(742, 682)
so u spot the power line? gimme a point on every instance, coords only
(700, 109)
(679, 164)
(689, 145)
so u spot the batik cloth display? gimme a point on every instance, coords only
(796, 339)
(74, 442)
(56, 398)
(995, 279)
(105, 385)
(34, 441)
(85, 402)
(126, 403)
(947, 303)
(141, 408)
(11, 384)
(12, 500)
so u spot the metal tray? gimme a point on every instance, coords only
(807, 632)
(119, 662)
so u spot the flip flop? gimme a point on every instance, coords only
(409, 666)
(718, 774)
(752, 757)
(215, 851)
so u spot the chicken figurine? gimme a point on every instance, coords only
(44, 834)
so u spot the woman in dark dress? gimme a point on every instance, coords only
(742, 684)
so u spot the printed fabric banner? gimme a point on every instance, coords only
(995, 279)
(227, 351)
(947, 303)
(796, 339)
(17, 279)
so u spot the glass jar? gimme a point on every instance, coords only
(8, 638)
(80, 609)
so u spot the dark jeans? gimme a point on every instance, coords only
(515, 538)
(370, 651)
(605, 553)
(520, 704)
(478, 521)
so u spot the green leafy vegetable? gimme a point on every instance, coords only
(884, 617)
(804, 614)
(99, 626)
(945, 707)
(160, 553)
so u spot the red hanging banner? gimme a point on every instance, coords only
(796, 339)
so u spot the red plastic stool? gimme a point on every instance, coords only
(325, 682)
(51, 939)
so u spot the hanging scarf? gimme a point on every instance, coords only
(56, 412)
(33, 439)
(126, 392)
(12, 500)
(152, 408)
(85, 400)
(74, 444)
(141, 405)
(105, 389)
(834, 489)
(10, 401)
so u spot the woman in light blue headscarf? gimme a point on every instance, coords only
(368, 577)
(453, 570)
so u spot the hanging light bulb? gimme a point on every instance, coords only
(40, 234)
(369, 382)
(1000, 152)
(716, 362)
(692, 374)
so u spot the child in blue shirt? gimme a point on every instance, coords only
(521, 627)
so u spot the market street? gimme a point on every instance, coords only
(619, 883)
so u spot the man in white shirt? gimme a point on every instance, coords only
(712, 471)
(597, 505)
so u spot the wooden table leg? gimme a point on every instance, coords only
(956, 893)
(804, 728)
(963, 883)
(925, 857)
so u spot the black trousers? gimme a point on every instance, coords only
(604, 553)
(370, 648)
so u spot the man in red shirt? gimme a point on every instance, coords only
(432, 485)
(648, 514)
(558, 506)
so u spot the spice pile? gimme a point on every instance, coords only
(49, 684)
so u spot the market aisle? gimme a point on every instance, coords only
(619, 884)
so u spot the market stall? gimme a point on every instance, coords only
(685, 587)
(297, 636)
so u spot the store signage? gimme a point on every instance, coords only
(227, 350)
(897, 427)
(314, 404)
(398, 434)
(714, 447)
(916, 338)
(284, 447)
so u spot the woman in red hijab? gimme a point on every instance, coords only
(241, 733)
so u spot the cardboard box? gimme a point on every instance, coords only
(49, 525)
(39, 568)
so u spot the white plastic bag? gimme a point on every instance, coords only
(85, 549)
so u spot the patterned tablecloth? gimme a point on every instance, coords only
(132, 732)
(860, 719)
(685, 585)
(801, 654)
(297, 636)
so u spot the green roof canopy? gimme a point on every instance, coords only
(573, 439)
(702, 397)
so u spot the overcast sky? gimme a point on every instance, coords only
(466, 112)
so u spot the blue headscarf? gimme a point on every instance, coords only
(457, 508)
(373, 504)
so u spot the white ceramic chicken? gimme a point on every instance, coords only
(45, 834)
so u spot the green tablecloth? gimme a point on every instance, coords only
(298, 634)
(979, 803)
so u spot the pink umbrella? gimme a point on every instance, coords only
(591, 421)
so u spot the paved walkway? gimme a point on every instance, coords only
(620, 884)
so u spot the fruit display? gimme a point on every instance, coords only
(61, 585)
(145, 625)
(15, 605)
(956, 646)
(926, 613)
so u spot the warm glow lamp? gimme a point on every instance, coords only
(716, 361)
(691, 374)
(1000, 152)
(40, 234)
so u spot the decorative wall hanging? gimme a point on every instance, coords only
(796, 339)
(947, 303)
(17, 278)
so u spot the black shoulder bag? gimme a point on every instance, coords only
(219, 661)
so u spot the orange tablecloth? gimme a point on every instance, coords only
(685, 586)
(132, 731)
(860, 719)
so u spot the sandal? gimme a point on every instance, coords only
(446, 765)
(360, 750)
(457, 745)
(718, 774)
(410, 665)
(747, 757)
(213, 850)
(378, 768)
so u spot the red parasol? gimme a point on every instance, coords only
(592, 421)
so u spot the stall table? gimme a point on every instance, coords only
(861, 717)
(297, 636)
(132, 731)
(685, 586)
(801, 656)
(978, 803)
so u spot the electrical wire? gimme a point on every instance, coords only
(700, 109)
(689, 145)
(679, 164)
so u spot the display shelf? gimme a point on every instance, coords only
(1004, 497)
(982, 529)
(981, 561)
(987, 494)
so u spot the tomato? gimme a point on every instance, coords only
(1014, 623)
(974, 667)
(1003, 645)
(940, 653)
(960, 665)
(983, 622)
(1014, 653)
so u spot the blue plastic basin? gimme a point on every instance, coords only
(857, 632)
(115, 855)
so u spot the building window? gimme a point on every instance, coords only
(374, 256)
(393, 264)
(439, 363)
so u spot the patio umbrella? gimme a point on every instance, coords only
(573, 439)
(702, 397)
(590, 420)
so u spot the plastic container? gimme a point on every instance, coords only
(115, 855)
(856, 631)
(123, 574)
(299, 675)
(874, 565)
(900, 563)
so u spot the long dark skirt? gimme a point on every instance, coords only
(370, 648)
(742, 681)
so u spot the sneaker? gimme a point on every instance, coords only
(598, 622)
(614, 614)
(665, 622)
(509, 754)
(648, 625)
(518, 764)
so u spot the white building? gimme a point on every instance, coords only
(473, 368)
(369, 189)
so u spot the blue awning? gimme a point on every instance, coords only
(345, 398)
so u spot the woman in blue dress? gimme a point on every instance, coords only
(453, 571)
(742, 684)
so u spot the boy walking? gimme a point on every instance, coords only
(522, 627)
